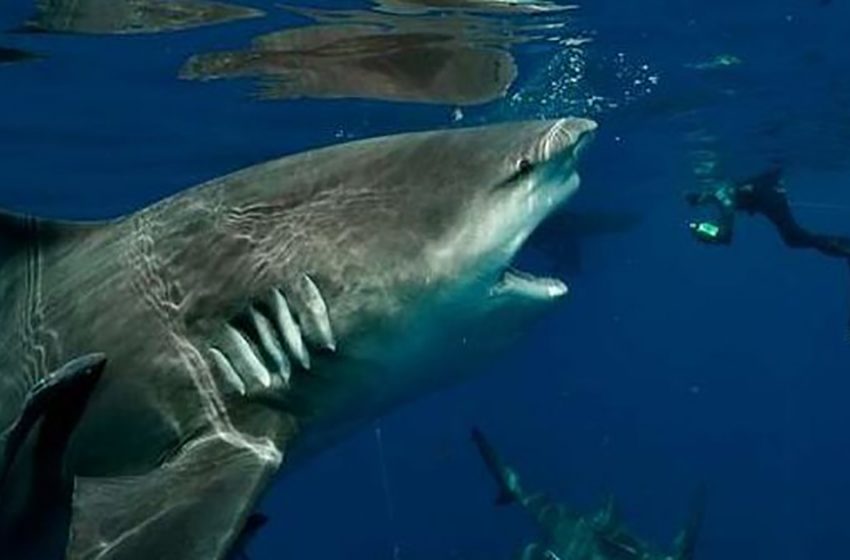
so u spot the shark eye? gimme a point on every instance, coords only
(524, 166)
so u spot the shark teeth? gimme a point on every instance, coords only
(289, 329)
(255, 351)
(245, 358)
(226, 368)
(270, 343)
(522, 284)
(317, 323)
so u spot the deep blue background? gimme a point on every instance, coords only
(669, 365)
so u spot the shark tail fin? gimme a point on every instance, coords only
(506, 479)
(686, 542)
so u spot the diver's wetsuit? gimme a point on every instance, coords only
(762, 194)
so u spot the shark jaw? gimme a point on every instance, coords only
(518, 284)
(521, 284)
(549, 186)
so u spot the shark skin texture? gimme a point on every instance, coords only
(200, 344)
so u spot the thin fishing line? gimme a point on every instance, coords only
(385, 479)
(388, 496)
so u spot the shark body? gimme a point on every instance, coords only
(257, 317)
(566, 534)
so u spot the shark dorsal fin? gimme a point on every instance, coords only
(17, 231)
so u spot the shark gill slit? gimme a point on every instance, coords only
(151, 283)
(265, 345)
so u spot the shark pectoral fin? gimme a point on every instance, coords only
(193, 507)
(59, 400)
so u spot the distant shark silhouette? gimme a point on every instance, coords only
(561, 237)
(156, 370)
(568, 535)
(9, 55)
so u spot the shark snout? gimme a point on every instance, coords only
(566, 137)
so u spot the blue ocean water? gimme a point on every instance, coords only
(670, 364)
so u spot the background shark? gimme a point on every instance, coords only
(10, 55)
(561, 238)
(157, 369)
(568, 535)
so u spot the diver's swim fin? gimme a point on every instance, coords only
(59, 400)
(686, 542)
(509, 491)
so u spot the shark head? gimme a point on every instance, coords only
(395, 228)
(385, 250)
(280, 307)
(508, 179)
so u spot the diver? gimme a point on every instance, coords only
(762, 194)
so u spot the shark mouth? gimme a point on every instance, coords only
(560, 150)
(513, 282)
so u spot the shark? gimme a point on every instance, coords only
(567, 534)
(159, 370)
(9, 55)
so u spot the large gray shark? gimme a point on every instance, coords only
(155, 370)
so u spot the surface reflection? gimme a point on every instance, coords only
(132, 16)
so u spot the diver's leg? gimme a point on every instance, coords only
(789, 230)
(798, 238)
(777, 210)
(832, 245)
